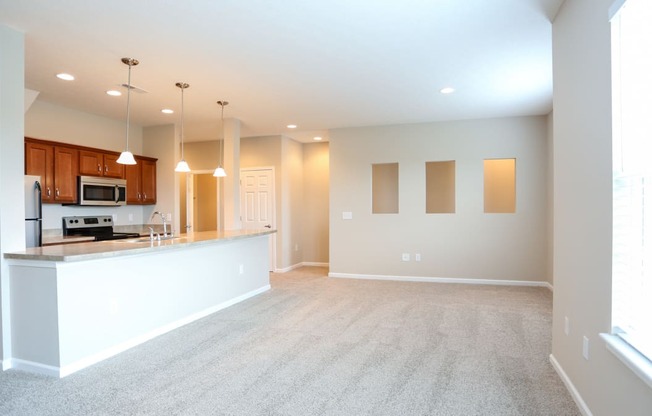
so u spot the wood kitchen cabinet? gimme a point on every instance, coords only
(141, 181)
(58, 167)
(100, 164)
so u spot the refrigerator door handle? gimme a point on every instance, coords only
(37, 187)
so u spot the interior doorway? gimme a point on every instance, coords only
(199, 202)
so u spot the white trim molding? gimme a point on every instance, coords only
(581, 404)
(302, 264)
(633, 359)
(442, 280)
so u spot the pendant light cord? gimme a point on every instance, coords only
(128, 101)
(223, 138)
(182, 88)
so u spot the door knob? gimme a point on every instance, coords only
(268, 226)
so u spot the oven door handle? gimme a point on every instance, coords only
(117, 194)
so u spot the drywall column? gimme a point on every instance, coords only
(163, 143)
(12, 126)
(231, 184)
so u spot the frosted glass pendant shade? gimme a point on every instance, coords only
(182, 166)
(126, 158)
(219, 172)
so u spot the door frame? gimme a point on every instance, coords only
(272, 237)
(190, 189)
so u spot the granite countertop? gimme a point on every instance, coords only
(113, 248)
(59, 239)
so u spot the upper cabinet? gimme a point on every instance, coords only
(100, 164)
(58, 167)
(141, 181)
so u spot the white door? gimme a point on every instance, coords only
(257, 204)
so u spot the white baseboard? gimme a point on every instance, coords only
(298, 265)
(6, 364)
(33, 367)
(584, 409)
(314, 264)
(123, 346)
(442, 280)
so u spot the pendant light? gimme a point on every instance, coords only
(220, 172)
(126, 157)
(182, 166)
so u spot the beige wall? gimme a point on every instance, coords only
(467, 244)
(582, 211)
(301, 195)
(49, 121)
(315, 203)
(292, 197)
(202, 155)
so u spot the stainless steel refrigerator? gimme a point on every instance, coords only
(33, 212)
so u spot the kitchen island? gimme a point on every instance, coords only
(74, 305)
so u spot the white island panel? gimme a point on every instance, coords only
(107, 305)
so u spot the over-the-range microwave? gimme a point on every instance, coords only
(101, 191)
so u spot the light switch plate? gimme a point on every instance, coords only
(347, 215)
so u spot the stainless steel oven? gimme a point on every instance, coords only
(102, 191)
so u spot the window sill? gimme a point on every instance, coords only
(633, 359)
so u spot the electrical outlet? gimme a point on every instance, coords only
(566, 325)
(296, 247)
(131, 217)
(169, 217)
(585, 348)
(115, 217)
(406, 257)
(417, 257)
(347, 215)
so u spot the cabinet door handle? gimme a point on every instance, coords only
(106, 168)
(99, 168)
(139, 196)
(49, 192)
(56, 192)
(144, 196)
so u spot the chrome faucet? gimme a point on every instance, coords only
(165, 226)
(151, 235)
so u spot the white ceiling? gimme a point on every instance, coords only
(315, 63)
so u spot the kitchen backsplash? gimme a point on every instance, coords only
(125, 215)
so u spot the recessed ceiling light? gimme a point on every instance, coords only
(65, 77)
(317, 138)
(114, 93)
(167, 111)
(292, 126)
(447, 90)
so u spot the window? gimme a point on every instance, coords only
(632, 175)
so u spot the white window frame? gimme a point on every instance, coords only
(635, 353)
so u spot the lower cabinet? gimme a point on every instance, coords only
(141, 181)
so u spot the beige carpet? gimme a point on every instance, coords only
(319, 346)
